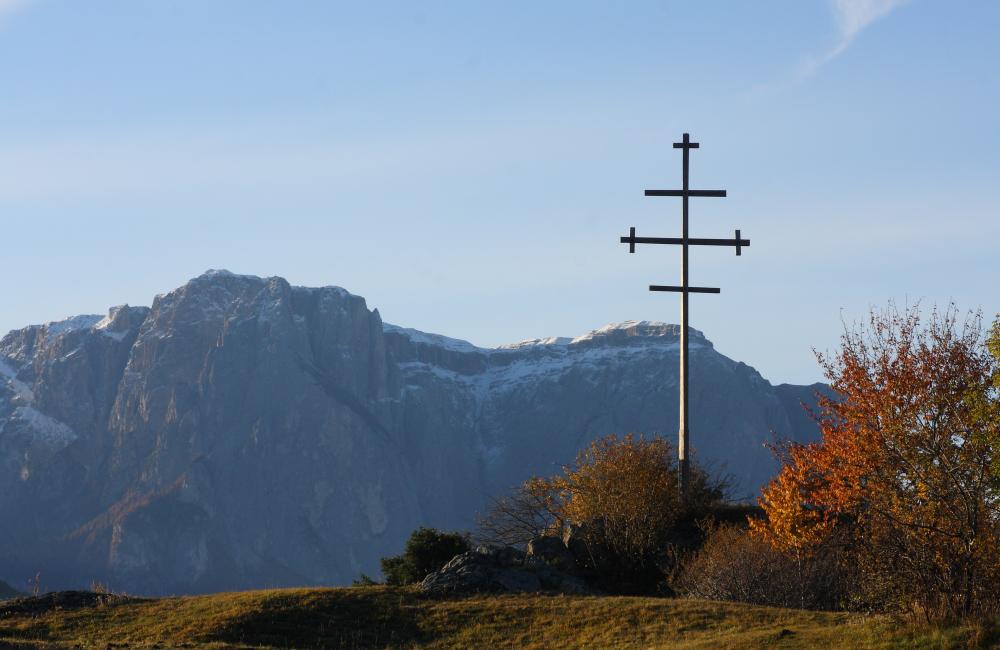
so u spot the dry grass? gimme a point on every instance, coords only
(389, 617)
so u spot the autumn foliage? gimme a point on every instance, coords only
(903, 478)
(628, 487)
(621, 497)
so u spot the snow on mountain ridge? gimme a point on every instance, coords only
(438, 340)
(508, 367)
(223, 273)
(619, 331)
(214, 274)
(550, 340)
(632, 329)
(521, 371)
(641, 328)
(84, 321)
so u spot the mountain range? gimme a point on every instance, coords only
(242, 432)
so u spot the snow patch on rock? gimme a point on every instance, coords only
(662, 333)
(85, 321)
(551, 340)
(46, 429)
(22, 391)
(104, 325)
(510, 374)
(436, 340)
(223, 273)
(634, 328)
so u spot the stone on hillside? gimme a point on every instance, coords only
(499, 570)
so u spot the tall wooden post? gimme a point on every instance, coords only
(683, 447)
(683, 466)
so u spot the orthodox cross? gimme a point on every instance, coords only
(684, 241)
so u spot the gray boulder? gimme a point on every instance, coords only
(500, 570)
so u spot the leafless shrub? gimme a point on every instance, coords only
(733, 565)
(516, 518)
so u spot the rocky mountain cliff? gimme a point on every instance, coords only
(243, 432)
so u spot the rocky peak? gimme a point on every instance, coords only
(633, 332)
(630, 332)
(243, 431)
(121, 321)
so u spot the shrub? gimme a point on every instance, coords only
(621, 499)
(364, 580)
(426, 551)
(516, 518)
(734, 565)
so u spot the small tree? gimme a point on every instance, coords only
(622, 495)
(626, 489)
(529, 511)
(904, 465)
(426, 551)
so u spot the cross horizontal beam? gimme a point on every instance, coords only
(721, 193)
(632, 240)
(660, 287)
(686, 143)
(694, 241)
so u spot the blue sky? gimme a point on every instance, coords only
(468, 167)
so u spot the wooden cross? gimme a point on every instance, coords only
(684, 241)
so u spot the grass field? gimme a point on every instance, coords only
(366, 617)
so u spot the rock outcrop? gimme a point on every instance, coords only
(543, 568)
(242, 432)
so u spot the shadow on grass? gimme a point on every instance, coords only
(365, 619)
(12, 635)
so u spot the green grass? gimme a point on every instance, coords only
(366, 617)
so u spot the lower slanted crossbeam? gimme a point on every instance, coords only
(660, 287)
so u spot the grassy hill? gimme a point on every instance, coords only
(382, 616)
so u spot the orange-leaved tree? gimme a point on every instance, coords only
(902, 475)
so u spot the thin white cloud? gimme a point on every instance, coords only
(855, 15)
(7, 6)
(852, 17)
